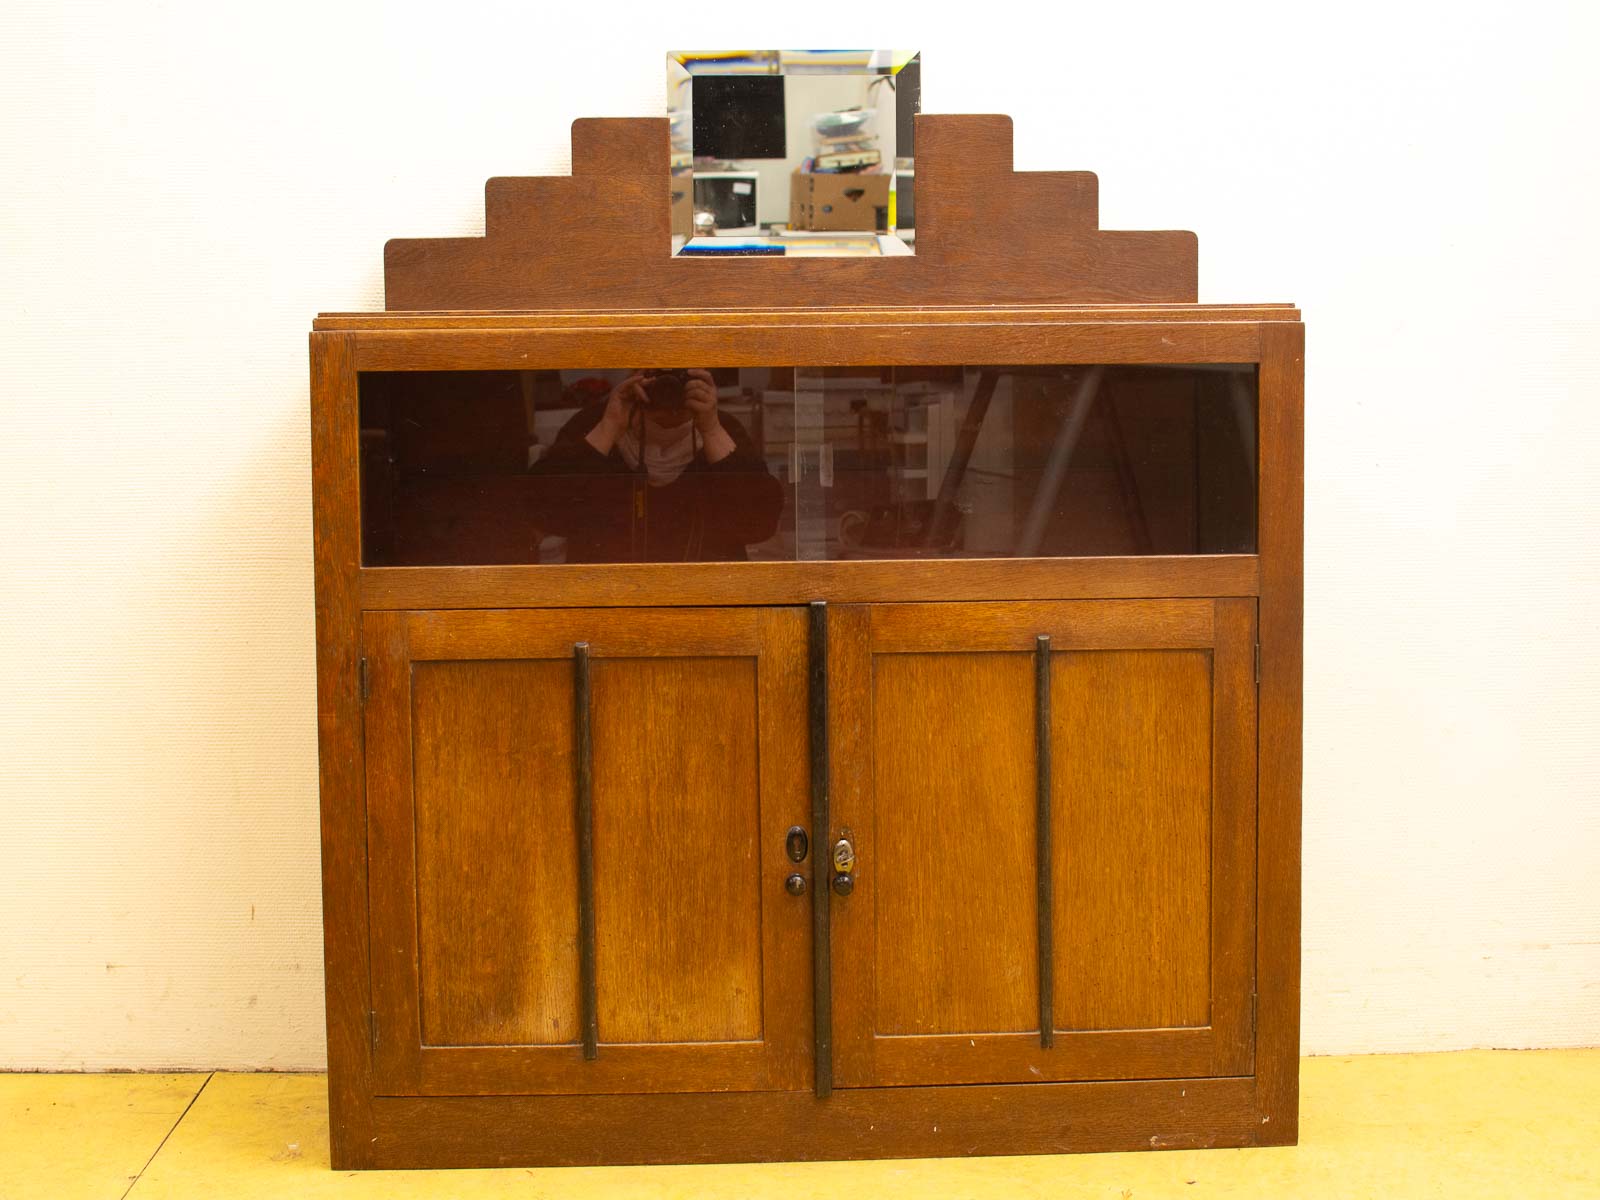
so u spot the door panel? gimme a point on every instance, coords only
(494, 820)
(1151, 732)
(959, 958)
(1132, 809)
(697, 762)
(677, 870)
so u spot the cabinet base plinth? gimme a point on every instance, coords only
(908, 1122)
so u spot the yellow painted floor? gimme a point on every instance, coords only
(1503, 1124)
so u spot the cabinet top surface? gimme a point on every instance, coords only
(338, 322)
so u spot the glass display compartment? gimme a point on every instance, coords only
(731, 464)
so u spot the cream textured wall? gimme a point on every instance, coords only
(183, 185)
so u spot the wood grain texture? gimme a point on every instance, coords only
(601, 238)
(627, 584)
(843, 342)
(850, 801)
(1071, 625)
(786, 920)
(677, 864)
(700, 951)
(335, 447)
(810, 315)
(820, 769)
(1282, 475)
(599, 144)
(1093, 1054)
(908, 1122)
(656, 1068)
(781, 1056)
(1152, 971)
(531, 633)
(497, 913)
(1132, 744)
(953, 831)
(1233, 837)
(390, 836)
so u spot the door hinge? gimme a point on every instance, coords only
(1258, 663)
(366, 680)
(1252, 1019)
(372, 1027)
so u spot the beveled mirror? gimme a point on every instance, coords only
(793, 152)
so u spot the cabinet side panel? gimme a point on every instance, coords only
(1132, 751)
(676, 819)
(957, 938)
(334, 451)
(1278, 839)
(497, 909)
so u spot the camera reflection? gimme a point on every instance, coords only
(652, 471)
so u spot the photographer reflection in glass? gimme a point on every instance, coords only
(655, 473)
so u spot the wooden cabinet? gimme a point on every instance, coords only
(811, 854)
(903, 761)
(581, 818)
(1053, 809)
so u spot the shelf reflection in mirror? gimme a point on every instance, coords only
(793, 152)
(724, 464)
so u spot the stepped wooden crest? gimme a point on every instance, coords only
(599, 239)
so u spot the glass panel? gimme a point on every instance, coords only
(1029, 461)
(793, 152)
(781, 463)
(526, 466)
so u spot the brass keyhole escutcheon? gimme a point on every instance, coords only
(844, 856)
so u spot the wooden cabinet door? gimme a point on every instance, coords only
(1149, 818)
(701, 961)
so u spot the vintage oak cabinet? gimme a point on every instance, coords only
(910, 766)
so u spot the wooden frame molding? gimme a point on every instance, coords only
(904, 1122)
(796, 583)
(1282, 544)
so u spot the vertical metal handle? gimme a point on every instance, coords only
(821, 963)
(1046, 899)
(589, 1016)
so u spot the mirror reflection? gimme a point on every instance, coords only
(653, 472)
(793, 152)
(726, 464)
